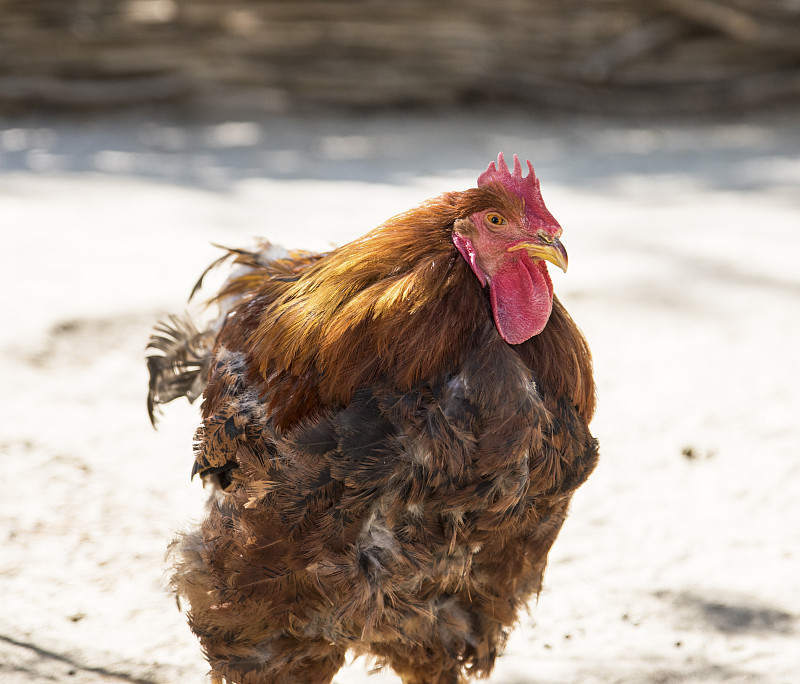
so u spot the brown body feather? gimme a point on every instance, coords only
(394, 472)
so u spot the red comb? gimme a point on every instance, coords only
(526, 188)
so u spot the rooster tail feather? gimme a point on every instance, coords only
(178, 360)
(179, 353)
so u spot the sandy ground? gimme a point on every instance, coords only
(680, 561)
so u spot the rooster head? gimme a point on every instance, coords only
(507, 244)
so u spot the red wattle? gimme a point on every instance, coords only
(521, 293)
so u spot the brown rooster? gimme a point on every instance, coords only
(393, 431)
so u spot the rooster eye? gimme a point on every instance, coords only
(495, 219)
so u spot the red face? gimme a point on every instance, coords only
(507, 248)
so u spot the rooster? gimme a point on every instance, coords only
(393, 431)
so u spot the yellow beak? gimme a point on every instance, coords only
(553, 252)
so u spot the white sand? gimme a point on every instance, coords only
(684, 243)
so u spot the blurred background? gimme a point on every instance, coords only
(136, 133)
(606, 55)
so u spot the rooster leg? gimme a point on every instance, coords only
(281, 660)
(427, 677)
(425, 665)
